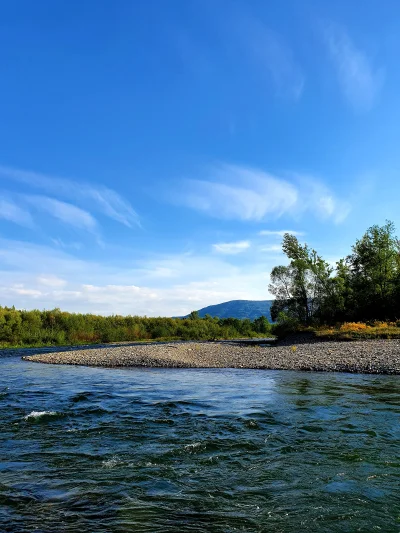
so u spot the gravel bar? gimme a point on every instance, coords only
(367, 356)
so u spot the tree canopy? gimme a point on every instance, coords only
(365, 285)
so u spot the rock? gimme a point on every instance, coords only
(370, 356)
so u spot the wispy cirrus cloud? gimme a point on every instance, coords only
(276, 57)
(247, 45)
(67, 213)
(317, 198)
(74, 245)
(242, 193)
(248, 194)
(359, 80)
(101, 198)
(231, 248)
(268, 52)
(10, 211)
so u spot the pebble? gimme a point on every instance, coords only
(368, 356)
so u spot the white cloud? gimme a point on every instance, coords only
(176, 300)
(360, 82)
(280, 233)
(67, 213)
(51, 281)
(231, 248)
(240, 193)
(243, 193)
(102, 199)
(41, 277)
(14, 213)
(319, 199)
(21, 291)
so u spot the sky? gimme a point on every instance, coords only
(152, 154)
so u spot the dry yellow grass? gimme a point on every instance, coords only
(360, 330)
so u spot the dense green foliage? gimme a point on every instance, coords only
(21, 328)
(239, 309)
(364, 286)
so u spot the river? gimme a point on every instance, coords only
(187, 450)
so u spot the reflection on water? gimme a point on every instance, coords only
(100, 450)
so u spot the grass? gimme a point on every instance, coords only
(359, 331)
(340, 332)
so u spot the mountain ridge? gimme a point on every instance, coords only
(239, 309)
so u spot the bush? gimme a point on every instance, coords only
(285, 326)
(21, 328)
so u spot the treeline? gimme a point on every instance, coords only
(363, 287)
(55, 327)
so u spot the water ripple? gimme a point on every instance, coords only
(216, 451)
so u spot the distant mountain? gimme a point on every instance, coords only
(239, 309)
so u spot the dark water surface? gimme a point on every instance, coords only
(134, 450)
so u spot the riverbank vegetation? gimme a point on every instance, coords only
(55, 327)
(359, 297)
(359, 331)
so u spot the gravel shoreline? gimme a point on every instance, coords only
(367, 356)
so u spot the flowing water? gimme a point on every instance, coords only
(162, 450)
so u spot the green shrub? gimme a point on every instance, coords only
(51, 327)
(284, 326)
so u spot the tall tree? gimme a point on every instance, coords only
(365, 285)
(374, 268)
(302, 287)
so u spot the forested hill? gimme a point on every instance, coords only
(239, 309)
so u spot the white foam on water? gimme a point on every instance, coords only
(38, 414)
(110, 463)
(193, 446)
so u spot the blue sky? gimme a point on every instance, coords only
(153, 153)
